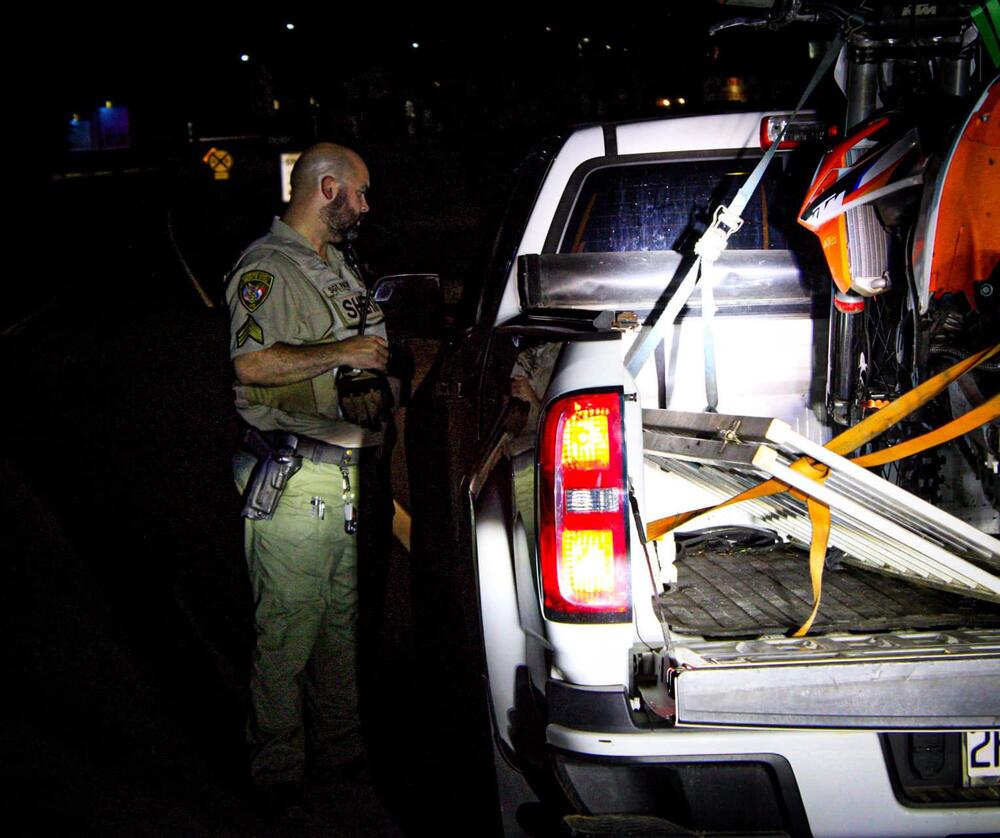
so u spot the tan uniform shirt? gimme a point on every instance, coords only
(281, 291)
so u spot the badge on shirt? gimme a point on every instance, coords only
(254, 288)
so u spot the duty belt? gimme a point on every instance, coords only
(323, 452)
(260, 442)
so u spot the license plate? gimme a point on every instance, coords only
(982, 757)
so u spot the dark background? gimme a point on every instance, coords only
(127, 608)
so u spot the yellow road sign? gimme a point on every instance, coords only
(219, 161)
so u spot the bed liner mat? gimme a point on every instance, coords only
(738, 593)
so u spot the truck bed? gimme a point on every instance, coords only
(729, 593)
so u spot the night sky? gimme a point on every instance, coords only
(512, 70)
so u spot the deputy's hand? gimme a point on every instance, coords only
(365, 398)
(366, 409)
(364, 352)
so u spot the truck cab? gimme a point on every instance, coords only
(630, 681)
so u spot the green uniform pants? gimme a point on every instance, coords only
(303, 573)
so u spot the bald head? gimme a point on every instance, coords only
(317, 161)
(329, 194)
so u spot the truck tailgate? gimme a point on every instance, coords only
(932, 680)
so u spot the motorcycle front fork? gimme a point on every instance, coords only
(868, 253)
(847, 313)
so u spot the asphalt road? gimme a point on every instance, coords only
(126, 596)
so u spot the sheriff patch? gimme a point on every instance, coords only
(348, 308)
(250, 329)
(254, 288)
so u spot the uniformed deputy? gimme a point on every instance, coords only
(294, 308)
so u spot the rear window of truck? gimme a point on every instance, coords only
(667, 205)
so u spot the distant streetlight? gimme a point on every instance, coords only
(681, 100)
(663, 103)
(289, 26)
(415, 45)
(244, 58)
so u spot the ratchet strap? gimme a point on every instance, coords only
(848, 441)
(975, 418)
(713, 241)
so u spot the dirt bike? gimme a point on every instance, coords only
(906, 205)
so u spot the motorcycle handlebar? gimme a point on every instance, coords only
(860, 21)
(785, 14)
(733, 23)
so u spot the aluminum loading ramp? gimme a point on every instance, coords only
(878, 525)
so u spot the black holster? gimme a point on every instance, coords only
(276, 463)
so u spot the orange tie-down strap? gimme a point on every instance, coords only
(850, 440)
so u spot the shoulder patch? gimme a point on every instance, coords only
(250, 329)
(254, 288)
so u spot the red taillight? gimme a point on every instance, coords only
(582, 506)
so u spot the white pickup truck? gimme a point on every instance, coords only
(659, 686)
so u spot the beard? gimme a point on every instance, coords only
(340, 219)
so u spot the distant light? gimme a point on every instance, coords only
(289, 26)
(75, 120)
(735, 91)
(415, 45)
(607, 46)
(585, 39)
(108, 104)
(244, 57)
(312, 100)
(663, 103)
(437, 84)
(277, 105)
(681, 100)
(548, 28)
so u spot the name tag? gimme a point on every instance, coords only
(348, 307)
